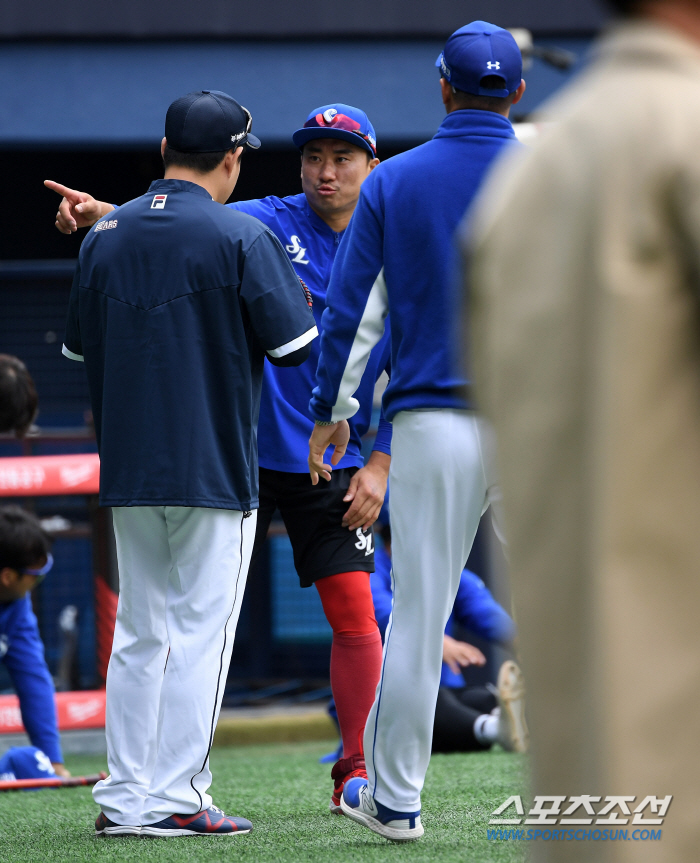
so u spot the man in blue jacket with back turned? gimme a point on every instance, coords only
(395, 259)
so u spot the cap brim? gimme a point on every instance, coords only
(303, 136)
(252, 142)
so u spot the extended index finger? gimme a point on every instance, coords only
(71, 194)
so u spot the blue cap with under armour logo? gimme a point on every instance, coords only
(477, 51)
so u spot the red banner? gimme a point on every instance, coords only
(106, 601)
(75, 710)
(50, 474)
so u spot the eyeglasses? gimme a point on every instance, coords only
(42, 571)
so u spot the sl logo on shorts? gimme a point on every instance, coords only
(364, 541)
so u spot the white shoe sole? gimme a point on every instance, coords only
(165, 833)
(336, 810)
(394, 833)
(119, 830)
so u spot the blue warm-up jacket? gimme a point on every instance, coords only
(397, 257)
(22, 652)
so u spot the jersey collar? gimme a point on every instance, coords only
(470, 122)
(178, 186)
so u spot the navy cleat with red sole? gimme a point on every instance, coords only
(209, 822)
(105, 827)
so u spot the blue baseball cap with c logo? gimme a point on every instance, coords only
(477, 51)
(338, 121)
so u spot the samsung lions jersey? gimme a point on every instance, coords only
(285, 422)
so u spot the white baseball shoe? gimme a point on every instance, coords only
(357, 803)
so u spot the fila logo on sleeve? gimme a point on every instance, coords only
(158, 202)
(296, 249)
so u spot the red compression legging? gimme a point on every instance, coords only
(356, 655)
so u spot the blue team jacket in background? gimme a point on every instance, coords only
(398, 254)
(474, 608)
(22, 652)
(285, 422)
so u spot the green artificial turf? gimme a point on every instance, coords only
(285, 792)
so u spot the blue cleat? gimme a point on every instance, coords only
(357, 803)
(209, 822)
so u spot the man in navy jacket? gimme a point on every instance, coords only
(175, 305)
(396, 259)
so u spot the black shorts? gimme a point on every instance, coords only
(313, 517)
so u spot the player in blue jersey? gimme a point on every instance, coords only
(328, 525)
(396, 260)
(25, 558)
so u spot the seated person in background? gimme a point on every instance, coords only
(25, 559)
(467, 718)
(18, 398)
(25, 762)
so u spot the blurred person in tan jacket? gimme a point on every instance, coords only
(584, 258)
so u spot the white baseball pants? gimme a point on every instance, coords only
(442, 480)
(182, 573)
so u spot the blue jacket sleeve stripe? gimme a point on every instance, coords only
(369, 332)
(356, 308)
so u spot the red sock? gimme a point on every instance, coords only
(356, 655)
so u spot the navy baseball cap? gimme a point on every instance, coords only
(338, 121)
(477, 50)
(208, 121)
